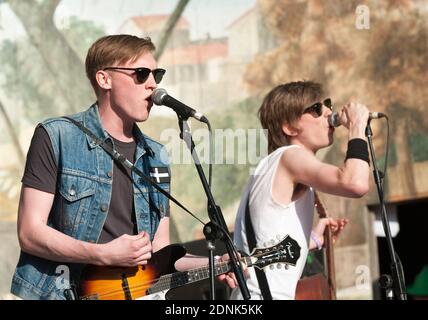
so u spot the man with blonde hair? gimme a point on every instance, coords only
(78, 206)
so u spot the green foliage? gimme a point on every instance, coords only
(23, 78)
(24, 75)
(229, 180)
(419, 147)
(392, 157)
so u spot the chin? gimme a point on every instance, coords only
(142, 117)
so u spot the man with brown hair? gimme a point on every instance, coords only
(279, 199)
(77, 205)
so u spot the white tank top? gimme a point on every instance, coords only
(273, 221)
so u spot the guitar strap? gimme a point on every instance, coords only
(251, 239)
(126, 163)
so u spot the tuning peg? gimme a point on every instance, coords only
(272, 267)
(278, 266)
(286, 266)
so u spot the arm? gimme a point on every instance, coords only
(37, 238)
(189, 261)
(161, 238)
(336, 228)
(351, 180)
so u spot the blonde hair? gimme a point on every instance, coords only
(114, 50)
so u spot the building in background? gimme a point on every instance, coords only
(151, 25)
(206, 73)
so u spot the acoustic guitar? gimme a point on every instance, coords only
(154, 280)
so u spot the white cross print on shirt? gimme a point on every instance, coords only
(158, 175)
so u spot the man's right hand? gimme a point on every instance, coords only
(354, 116)
(127, 251)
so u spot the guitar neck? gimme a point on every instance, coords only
(178, 279)
(328, 239)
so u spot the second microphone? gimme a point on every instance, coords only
(334, 120)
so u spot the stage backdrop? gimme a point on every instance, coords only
(221, 58)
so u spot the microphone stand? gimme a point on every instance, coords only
(391, 284)
(216, 228)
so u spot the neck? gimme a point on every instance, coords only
(115, 124)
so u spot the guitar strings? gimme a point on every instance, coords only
(166, 281)
(162, 283)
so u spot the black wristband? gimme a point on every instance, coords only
(357, 149)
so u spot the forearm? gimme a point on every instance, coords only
(46, 242)
(355, 176)
(355, 173)
(190, 261)
(316, 242)
(357, 169)
(312, 245)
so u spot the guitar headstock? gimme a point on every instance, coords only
(287, 252)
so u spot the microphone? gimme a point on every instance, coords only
(161, 98)
(334, 121)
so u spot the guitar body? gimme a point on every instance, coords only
(154, 280)
(313, 288)
(128, 283)
(318, 286)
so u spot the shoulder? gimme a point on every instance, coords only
(62, 131)
(40, 140)
(58, 122)
(294, 152)
(61, 127)
(297, 157)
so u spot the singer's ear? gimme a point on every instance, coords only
(289, 130)
(103, 79)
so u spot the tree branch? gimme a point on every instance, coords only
(169, 26)
(60, 59)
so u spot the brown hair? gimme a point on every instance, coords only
(114, 50)
(285, 104)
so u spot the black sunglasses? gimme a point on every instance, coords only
(143, 73)
(316, 108)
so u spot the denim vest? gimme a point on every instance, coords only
(82, 199)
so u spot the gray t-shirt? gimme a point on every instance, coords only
(41, 173)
